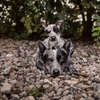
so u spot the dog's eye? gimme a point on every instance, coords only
(47, 31)
(49, 60)
(61, 59)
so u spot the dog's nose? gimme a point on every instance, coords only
(53, 38)
(56, 72)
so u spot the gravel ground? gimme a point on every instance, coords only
(18, 73)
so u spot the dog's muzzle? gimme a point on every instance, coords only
(53, 38)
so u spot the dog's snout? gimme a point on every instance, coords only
(56, 72)
(53, 38)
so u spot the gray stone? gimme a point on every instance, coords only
(0, 95)
(97, 79)
(90, 98)
(7, 71)
(16, 97)
(50, 94)
(30, 98)
(78, 96)
(82, 99)
(6, 88)
(96, 87)
(47, 81)
(23, 94)
(9, 55)
(97, 95)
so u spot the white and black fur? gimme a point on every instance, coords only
(56, 61)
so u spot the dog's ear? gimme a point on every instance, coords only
(66, 45)
(44, 25)
(41, 46)
(59, 23)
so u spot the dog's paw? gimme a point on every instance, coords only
(73, 71)
(65, 70)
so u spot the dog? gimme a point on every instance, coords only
(56, 61)
(54, 40)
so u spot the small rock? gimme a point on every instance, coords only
(23, 94)
(82, 99)
(47, 81)
(78, 96)
(19, 84)
(74, 79)
(90, 93)
(30, 98)
(97, 79)
(9, 55)
(0, 95)
(16, 97)
(50, 94)
(71, 82)
(97, 95)
(96, 87)
(6, 88)
(45, 97)
(90, 98)
(46, 86)
(84, 59)
(92, 74)
(7, 71)
(65, 93)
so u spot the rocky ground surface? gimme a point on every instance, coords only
(18, 73)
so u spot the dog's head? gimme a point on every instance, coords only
(52, 30)
(55, 60)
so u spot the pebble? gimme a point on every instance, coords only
(90, 98)
(97, 79)
(78, 96)
(6, 88)
(30, 98)
(16, 97)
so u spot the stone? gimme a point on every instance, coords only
(30, 98)
(16, 97)
(71, 82)
(9, 55)
(90, 93)
(47, 81)
(90, 98)
(65, 92)
(45, 97)
(85, 60)
(82, 99)
(7, 71)
(92, 74)
(0, 95)
(97, 95)
(97, 79)
(78, 96)
(74, 79)
(46, 86)
(23, 94)
(50, 94)
(19, 84)
(96, 87)
(6, 88)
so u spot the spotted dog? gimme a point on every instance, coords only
(56, 61)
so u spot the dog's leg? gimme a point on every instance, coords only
(71, 68)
